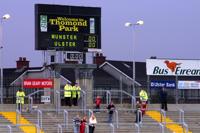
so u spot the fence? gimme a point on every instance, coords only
(57, 96)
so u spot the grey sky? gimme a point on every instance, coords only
(171, 29)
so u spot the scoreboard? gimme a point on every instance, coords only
(67, 28)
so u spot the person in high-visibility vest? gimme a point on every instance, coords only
(143, 95)
(68, 94)
(78, 94)
(78, 89)
(74, 95)
(20, 99)
(143, 99)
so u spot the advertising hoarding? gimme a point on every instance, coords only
(188, 84)
(167, 67)
(38, 83)
(161, 84)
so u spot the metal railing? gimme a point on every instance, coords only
(18, 116)
(66, 118)
(162, 128)
(163, 116)
(113, 128)
(7, 126)
(58, 98)
(181, 116)
(117, 118)
(57, 101)
(59, 128)
(108, 94)
(137, 127)
(39, 118)
(83, 94)
(133, 99)
(185, 128)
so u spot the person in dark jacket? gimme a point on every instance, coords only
(163, 99)
(76, 123)
(111, 109)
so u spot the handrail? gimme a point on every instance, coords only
(9, 128)
(117, 118)
(133, 99)
(185, 127)
(59, 128)
(37, 128)
(163, 114)
(39, 118)
(84, 101)
(90, 112)
(30, 103)
(139, 117)
(113, 128)
(162, 128)
(137, 127)
(57, 101)
(108, 97)
(181, 116)
(44, 90)
(18, 114)
(66, 118)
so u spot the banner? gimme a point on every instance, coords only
(38, 83)
(188, 84)
(167, 67)
(161, 84)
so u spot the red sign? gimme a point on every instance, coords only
(38, 83)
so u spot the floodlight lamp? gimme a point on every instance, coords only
(128, 24)
(6, 16)
(140, 22)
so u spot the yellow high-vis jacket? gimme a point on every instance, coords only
(67, 90)
(20, 97)
(143, 95)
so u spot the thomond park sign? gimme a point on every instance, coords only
(167, 67)
(67, 28)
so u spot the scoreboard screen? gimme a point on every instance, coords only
(67, 28)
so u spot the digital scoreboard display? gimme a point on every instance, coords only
(67, 28)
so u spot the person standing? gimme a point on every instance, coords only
(83, 125)
(76, 123)
(67, 94)
(98, 103)
(92, 123)
(20, 99)
(163, 99)
(111, 109)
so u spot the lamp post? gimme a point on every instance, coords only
(4, 17)
(128, 24)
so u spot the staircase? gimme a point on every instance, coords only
(50, 120)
